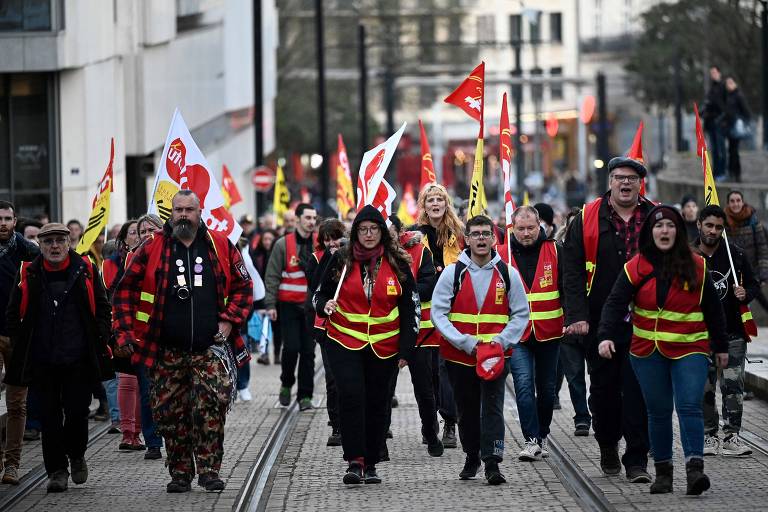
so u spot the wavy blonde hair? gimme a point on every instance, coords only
(450, 223)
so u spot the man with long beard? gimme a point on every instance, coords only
(178, 309)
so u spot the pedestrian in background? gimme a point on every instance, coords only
(330, 237)
(677, 320)
(737, 119)
(713, 114)
(690, 210)
(443, 236)
(14, 249)
(480, 308)
(711, 246)
(178, 310)
(59, 325)
(286, 287)
(745, 230)
(244, 371)
(372, 327)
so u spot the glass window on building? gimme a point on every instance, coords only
(27, 176)
(556, 27)
(515, 28)
(25, 15)
(556, 88)
(486, 29)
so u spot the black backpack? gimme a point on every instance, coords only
(461, 268)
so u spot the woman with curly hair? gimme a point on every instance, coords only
(443, 237)
(371, 328)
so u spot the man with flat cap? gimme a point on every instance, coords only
(598, 244)
(59, 323)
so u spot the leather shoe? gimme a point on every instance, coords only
(210, 481)
(178, 485)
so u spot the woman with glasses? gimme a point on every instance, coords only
(369, 296)
(677, 320)
(444, 238)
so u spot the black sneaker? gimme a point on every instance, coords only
(581, 430)
(178, 485)
(435, 449)
(354, 474)
(492, 473)
(449, 435)
(115, 428)
(471, 467)
(57, 481)
(31, 434)
(153, 453)
(334, 439)
(638, 475)
(210, 481)
(79, 470)
(371, 477)
(609, 460)
(285, 396)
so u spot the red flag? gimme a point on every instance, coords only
(505, 149)
(229, 187)
(701, 143)
(469, 95)
(427, 166)
(636, 152)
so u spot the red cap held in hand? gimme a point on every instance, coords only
(490, 360)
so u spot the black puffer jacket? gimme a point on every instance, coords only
(21, 369)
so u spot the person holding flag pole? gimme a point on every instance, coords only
(369, 297)
(736, 285)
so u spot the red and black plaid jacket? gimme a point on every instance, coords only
(125, 301)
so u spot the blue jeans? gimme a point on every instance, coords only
(243, 376)
(717, 146)
(663, 381)
(151, 437)
(534, 370)
(110, 386)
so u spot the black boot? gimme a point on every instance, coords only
(663, 482)
(471, 465)
(698, 482)
(609, 459)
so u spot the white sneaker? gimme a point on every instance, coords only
(544, 451)
(711, 445)
(732, 445)
(244, 395)
(530, 452)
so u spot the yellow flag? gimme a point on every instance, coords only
(477, 202)
(99, 216)
(526, 202)
(710, 190)
(282, 196)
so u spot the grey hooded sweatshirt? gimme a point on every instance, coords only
(481, 280)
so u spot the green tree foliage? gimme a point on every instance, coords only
(692, 35)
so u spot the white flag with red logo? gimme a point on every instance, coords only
(372, 170)
(183, 166)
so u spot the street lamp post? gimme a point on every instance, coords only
(764, 29)
(324, 177)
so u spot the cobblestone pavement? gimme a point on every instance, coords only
(307, 474)
(121, 481)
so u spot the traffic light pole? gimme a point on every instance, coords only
(322, 148)
(258, 101)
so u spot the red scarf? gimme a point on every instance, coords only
(363, 255)
(55, 267)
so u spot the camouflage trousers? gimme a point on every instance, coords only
(190, 395)
(731, 391)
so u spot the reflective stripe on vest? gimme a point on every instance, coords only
(293, 282)
(356, 324)
(545, 308)
(484, 324)
(675, 330)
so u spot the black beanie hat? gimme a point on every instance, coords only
(369, 213)
(546, 213)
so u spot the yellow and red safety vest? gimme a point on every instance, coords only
(677, 329)
(484, 324)
(428, 335)
(356, 323)
(319, 321)
(546, 318)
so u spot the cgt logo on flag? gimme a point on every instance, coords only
(468, 96)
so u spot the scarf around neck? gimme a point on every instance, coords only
(369, 256)
(9, 246)
(735, 220)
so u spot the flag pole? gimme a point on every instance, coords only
(341, 280)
